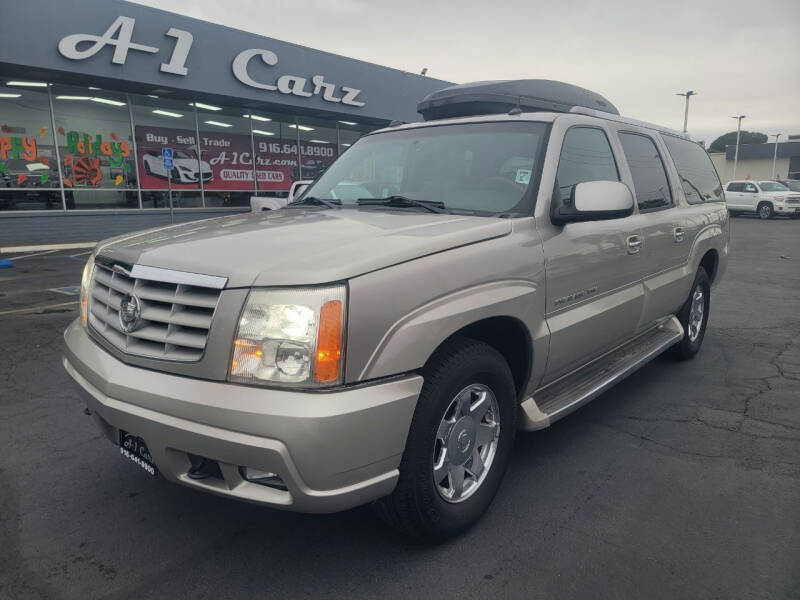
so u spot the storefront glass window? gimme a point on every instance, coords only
(226, 155)
(275, 141)
(161, 123)
(109, 148)
(27, 155)
(94, 139)
(318, 146)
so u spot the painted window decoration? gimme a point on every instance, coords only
(26, 142)
(93, 131)
(91, 161)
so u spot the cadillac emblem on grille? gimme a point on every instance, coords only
(130, 313)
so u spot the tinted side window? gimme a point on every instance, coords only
(698, 176)
(735, 187)
(585, 156)
(649, 178)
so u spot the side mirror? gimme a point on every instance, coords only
(298, 187)
(595, 201)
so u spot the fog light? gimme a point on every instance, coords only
(260, 477)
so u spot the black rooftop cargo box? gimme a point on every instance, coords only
(497, 97)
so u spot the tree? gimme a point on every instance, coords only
(729, 139)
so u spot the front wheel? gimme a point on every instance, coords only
(694, 318)
(459, 443)
(765, 210)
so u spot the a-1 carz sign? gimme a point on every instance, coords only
(226, 160)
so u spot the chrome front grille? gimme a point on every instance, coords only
(793, 200)
(175, 317)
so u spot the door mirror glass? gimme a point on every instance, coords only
(595, 201)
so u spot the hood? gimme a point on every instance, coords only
(300, 246)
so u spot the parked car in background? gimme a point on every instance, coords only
(792, 184)
(764, 198)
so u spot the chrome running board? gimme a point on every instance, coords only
(561, 397)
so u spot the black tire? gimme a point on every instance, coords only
(765, 210)
(687, 348)
(416, 507)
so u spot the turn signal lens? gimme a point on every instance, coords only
(291, 337)
(329, 343)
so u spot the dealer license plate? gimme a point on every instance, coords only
(134, 448)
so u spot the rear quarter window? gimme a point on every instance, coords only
(698, 176)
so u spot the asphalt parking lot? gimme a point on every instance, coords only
(682, 482)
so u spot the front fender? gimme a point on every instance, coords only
(410, 341)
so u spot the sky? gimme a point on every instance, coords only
(742, 58)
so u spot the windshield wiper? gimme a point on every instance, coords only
(329, 202)
(403, 202)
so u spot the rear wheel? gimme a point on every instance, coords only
(765, 210)
(694, 318)
(459, 443)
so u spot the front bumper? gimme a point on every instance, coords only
(333, 450)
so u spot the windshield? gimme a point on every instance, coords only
(478, 168)
(772, 186)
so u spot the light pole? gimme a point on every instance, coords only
(775, 155)
(738, 133)
(687, 95)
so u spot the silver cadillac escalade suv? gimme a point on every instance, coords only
(383, 337)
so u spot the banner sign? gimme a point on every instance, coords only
(227, 161)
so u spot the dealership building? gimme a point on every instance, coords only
(759, 161)
(116, 117)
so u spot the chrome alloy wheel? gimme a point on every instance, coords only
(696, 314)
(466, 443)
(765, 211)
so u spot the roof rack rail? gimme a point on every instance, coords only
(502, 97)
(590, 112)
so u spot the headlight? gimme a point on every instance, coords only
(291, 337)
(86, 282)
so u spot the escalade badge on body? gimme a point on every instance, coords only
(130, 313)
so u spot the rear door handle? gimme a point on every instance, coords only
(679, 234)
(634, 244)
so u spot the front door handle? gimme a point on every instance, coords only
(634, 244)
(679, 234)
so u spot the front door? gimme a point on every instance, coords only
(594, 269)
(733, 195)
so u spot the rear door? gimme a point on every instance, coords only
(594, 269)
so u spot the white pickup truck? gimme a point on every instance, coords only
(765, 198)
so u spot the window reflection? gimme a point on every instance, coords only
(27, 153)
(319, 146)
(94, 139)
(161, 123)
(109, 146)
(275, 141)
